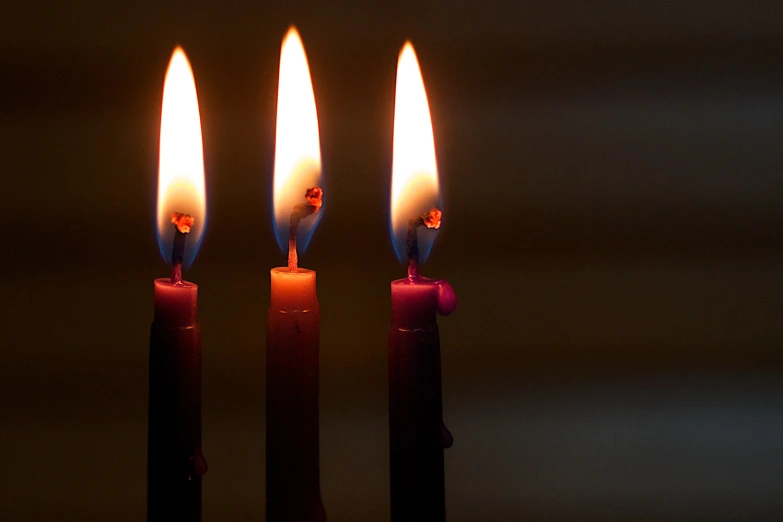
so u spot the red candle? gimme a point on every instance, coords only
(417, 435)
(293, 491)
(174, 460)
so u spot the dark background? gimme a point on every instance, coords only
(612, 187)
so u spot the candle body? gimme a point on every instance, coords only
(174, 460)
(417, 436)
(293, 489)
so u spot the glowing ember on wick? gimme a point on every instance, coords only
(314, 198)
(182, 224)
(429, 219)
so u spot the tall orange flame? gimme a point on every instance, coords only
(415, 189)
(297, 142)
(181, 187)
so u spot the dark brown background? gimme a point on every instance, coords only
(613, 199)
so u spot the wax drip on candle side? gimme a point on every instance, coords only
(314, 198)
(182, 224)
(431, 219)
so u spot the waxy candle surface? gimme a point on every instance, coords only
(292, 453)
(417, 435)
(175, 304)
(293, 290)
(175, 463)
(414, 302)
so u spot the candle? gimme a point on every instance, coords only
(293, 491)
(417, 435)
(175, 463)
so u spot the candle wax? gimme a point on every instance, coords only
(417, 435)
(293, 490)
(175, 304)
(174, 460)
(293, 291)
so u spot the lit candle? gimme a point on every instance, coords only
(417, 435)
(175, 463)
(293, 491)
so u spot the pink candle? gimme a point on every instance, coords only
(417, 435)
(176, 304)
(175, 463)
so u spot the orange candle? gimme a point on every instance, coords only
(293, 491)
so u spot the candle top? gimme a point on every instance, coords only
(293, 291)
(415, 301)
(176, 304)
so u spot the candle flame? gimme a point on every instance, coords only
(181, 168)
(297, 142)
(415, 190)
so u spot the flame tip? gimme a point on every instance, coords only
(408, 48)
(179, 52)
(292, 34)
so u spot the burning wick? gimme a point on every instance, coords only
(182, 223)
(314, 198)
(430, 219)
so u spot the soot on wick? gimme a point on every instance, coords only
(182, 223)
(429, 219)
(314, 198)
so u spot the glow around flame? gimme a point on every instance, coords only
(297, 143)
(181, 167)
(415, 188)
